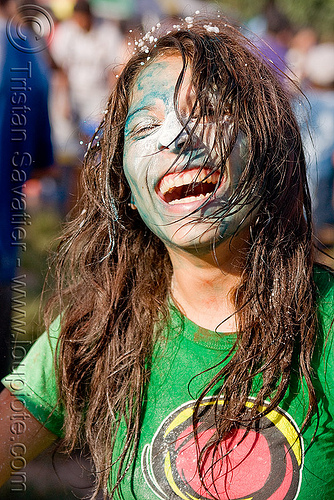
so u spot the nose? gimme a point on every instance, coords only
(172, 135)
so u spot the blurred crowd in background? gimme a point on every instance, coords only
(53, 96)
(90, 42)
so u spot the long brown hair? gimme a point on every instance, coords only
(114, 274)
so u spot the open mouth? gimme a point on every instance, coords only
(188, 186)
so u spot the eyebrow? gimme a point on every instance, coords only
(142, 108)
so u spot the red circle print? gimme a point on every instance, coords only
(240, 465)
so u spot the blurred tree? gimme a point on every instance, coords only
(316, 13)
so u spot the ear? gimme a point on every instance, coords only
(132, 203)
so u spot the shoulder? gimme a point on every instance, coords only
(38, 363)
(323, 355)
(33, 381)
(324, 283)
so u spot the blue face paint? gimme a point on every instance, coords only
(149, 95)
(161, 179)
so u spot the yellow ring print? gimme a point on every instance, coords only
(263, 463)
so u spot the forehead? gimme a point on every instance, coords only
(158, 80)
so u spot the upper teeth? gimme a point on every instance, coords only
(171, 181)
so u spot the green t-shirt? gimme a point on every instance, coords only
(273, 462)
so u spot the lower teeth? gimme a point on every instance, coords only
(189, 199)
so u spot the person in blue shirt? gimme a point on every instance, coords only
(25, 146)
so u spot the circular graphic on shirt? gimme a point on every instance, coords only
(262, 464)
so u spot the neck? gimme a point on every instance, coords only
(203, 286)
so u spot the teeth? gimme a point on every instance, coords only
(166, 184)
(214, 178)
(185, 178)
(188, 199)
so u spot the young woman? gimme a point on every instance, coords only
(193, 348)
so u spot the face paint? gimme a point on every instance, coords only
(168, 190)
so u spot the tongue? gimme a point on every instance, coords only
(188, 190)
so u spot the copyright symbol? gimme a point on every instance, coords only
(24, 39)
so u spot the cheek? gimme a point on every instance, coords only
(139, 154)
(209, 137)
(208, 134)
(238, 158)
(136, 165)
(130, 168)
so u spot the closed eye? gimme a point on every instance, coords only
(144, 129)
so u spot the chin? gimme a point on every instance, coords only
(194, 239)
